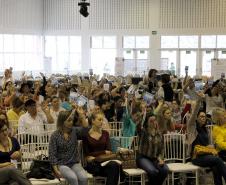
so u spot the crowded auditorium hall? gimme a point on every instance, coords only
(112, 92)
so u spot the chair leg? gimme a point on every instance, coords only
(168, 179)
(130, 180)
(142, 179)
(172, 178)
(197, 177)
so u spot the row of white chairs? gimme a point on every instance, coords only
(173, 151)
(174, 145)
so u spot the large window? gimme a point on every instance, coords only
(221, 45)
(64, 53)
(21, 52)
(208, 41)
(222, 54)
(221, 41)
(169, 61)
(178, 52)
(208, 44)
(188, 41)
(169, 42)
(207, 56)
(103, 53)
(188, 58)
(136, 54)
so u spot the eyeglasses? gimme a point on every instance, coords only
(4, 130)
(202, 116)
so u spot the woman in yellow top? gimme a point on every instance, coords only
(14, 114)
(219, 131)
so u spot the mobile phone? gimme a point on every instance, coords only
(186, 68)
(106, 87)
(198, 85)
(91, 104)
(81, 101)
(148, 97)
(73, 96)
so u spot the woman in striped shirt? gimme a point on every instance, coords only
(150, 154)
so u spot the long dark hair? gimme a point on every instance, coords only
(3, 123)
(2, 112)
(62, 117)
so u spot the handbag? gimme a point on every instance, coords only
(127, 157)
(203, 150)
(41, 168)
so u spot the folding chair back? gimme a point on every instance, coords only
(114, 132)
(210, 132)
(32, 151)
(174, 147)
(116, 125)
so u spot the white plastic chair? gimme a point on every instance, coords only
(30, 152)
(32, 128)
(116, 125)
(114, 132)
(26, 138)
(175, 156)
(44, 137)
(35, 133)
(132, 143)
(210, 132)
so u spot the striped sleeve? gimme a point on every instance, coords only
(53, 149)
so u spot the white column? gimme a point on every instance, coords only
(86, 54)
(155, 51)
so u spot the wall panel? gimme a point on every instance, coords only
(61, 15)
(182, 14)
(119, 14)
(18, 16)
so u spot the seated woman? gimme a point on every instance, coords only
(63, 150)
(198, 136)
(97, 148)
(164, 117)
(9, 150)
(219, 131)
(150, 155)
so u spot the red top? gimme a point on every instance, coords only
(93, 147)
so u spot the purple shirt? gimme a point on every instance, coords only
(93, 147)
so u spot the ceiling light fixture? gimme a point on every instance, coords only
(84, 8)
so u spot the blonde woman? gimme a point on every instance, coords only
(219, 131)
(164, 117)
(97, 149)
